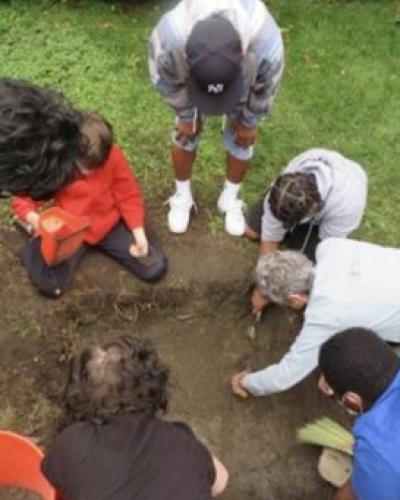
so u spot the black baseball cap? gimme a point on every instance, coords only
(215, 56)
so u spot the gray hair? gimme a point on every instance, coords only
(282, 273)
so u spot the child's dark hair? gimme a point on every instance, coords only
(293, 197)
(121, 376)
(357, 360)
(97, 140)
(40, 139)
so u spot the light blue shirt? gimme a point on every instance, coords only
(356, 284)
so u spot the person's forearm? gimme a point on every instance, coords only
(296, 364)
(139, 233)
(263, 91)
(170, 85)
(346, 492)
(23, 205)
(268, 247)
(221, 477)
(257, 384)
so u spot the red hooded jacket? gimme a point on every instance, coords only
(106, 194)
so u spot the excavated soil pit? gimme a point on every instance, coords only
(197, 319)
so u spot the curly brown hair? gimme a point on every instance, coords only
(124, 375)
(293, 197)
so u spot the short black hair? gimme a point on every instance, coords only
(40, 139)
(294, 196)
(359, 361)
(121, 376)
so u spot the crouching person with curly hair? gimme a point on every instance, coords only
(116, 447)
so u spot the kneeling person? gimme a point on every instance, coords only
(318, 188)
(116, 447)
(98, 183)
(352, 283)
(320, 194)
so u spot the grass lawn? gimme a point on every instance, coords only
(341, 89)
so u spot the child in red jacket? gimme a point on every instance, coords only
(103, 188)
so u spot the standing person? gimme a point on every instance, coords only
(116, 447)
(320, 194)
(362, 373)
(212, 57)
(71, 159)
(352, 283)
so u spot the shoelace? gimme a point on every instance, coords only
(175, 201)
(236, 207)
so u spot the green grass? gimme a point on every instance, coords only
(340, 90)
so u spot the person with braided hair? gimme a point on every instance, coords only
(320, 194)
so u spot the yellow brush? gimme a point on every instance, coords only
(327, 433)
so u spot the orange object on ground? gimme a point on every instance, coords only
(62, 234)
(20, 465)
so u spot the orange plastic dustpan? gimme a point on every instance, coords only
(20, 465)
(62, 234)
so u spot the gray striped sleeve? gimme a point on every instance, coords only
(168, 70)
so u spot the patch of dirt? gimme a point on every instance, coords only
(197, 318)
(17, 494)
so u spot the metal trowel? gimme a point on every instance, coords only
(252, 329)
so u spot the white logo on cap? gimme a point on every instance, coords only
(215, 88)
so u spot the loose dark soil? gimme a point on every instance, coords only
(17, 494)
(197, 318)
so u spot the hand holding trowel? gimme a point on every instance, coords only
(258, 303)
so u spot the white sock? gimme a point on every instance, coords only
(231, 190)
(183, 188)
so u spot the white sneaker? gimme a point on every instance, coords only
(179, 212)
(235, 223)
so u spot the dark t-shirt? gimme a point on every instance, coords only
(132, 457)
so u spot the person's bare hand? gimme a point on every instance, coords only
(244, 136)
(186, 131)
(141, 246)
(32, 219)
(258, 302)
(237, 387)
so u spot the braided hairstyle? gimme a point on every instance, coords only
(40, 139)
(294, 197)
